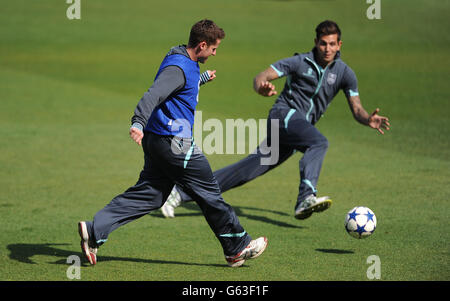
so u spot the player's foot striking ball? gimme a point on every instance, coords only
(312, 204)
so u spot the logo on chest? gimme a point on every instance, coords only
(309, 74)
(331, 78)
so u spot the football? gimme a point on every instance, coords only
(360, 222)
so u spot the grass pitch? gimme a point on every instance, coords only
(68, 90)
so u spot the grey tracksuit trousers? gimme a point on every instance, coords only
(170, 161)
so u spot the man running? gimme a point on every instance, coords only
(162, 124)
(312, 81)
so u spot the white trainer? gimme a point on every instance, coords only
(89, 252)
(312, 204)
(173, 201)
(254, 249)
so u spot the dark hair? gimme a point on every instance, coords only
(205, 30)
(326, 28)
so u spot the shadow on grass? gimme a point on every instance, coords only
(335, 251)
(241, 211)
(24, 252)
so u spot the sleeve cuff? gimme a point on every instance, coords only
(353, 93)
(280, 74)
(204, 77)
(138, 126)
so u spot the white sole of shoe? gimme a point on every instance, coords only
(322, 206)
(266, 242)
(82, 231)
(242, 261)
(166, 212)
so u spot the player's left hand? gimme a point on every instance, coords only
(378, 122)
(212, 74)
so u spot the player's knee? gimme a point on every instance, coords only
(321, 142)
(325, 143)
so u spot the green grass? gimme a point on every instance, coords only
(68, 90)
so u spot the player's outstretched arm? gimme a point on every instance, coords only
(373, 120)
(262, 82)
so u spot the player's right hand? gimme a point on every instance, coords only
(136, 135)
(267, 89)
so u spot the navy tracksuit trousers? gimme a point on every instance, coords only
(170, 161)
(295, 134)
